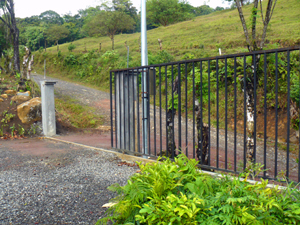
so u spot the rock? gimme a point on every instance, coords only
(297, 133)
(30, 111)
(294, 140)
(4, 96)
(19, 99)
(10, 92)
(23, 93)
(108, 205)
(1, 100)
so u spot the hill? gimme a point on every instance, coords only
(197, 38)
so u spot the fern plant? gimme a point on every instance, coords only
(177, 193)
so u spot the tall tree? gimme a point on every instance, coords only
(33, 35)
(51, 17)
(166, 12)
(254, 42)
(8, 18)
(109, 23)
(4, 43)
(56, 33)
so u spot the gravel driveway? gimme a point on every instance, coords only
(46, 182)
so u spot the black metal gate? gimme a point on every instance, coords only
(177, 94)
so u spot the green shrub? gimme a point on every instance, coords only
(176, 193)
(71, 47)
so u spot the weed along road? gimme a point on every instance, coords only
(48, 182)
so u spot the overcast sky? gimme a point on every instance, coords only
(36, 7)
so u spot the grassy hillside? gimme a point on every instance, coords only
(200, 37)
(220, 29)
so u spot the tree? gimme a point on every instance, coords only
(109, 23)
(166, 12)
(51, 17)
(126, 7)
(56, 33)
(8, 11)
(203, 10)
(254, 43)
(33, 35)
(4, 43)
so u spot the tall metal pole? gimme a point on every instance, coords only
(144, 60)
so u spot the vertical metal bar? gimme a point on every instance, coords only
(143, 112)
(265, 114)
(144, 62)
(154, 107)
(111, 110)
(217, 76)
(173, 119)
(124, 108)
(186, 112)
(276, 114)
(288, 117)
(226, 114)
(235, 114)
(208, 71)
(166, 88)
(138, 110)
(116, 127)
(128, 109)
(179, 109)
(245, 114)
(193, 110)
(254, 153)
(160, 128)
(120, 112)
(201, 111)
(148, 115)
(133, 112)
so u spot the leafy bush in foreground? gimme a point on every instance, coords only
(176, 193)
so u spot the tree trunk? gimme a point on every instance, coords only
(170, 126)
(26, 59)
(170, 122)
(45, 44)
(250, 80)
(30, 64)
(10, 21)
(113, 43)
(16, 50)
(202, 136)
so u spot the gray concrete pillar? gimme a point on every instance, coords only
(48, 108)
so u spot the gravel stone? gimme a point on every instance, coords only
(61, 188)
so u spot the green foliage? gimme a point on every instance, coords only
(71, 47)
(177, 193)
(7, 117)
(159, 58)
(109, 23)
(166, 12)
(56, 33)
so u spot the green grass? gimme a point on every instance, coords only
(77, 115)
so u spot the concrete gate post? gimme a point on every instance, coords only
(48, 108)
